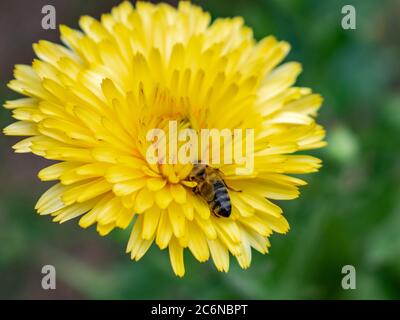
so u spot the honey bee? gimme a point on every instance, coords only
(212, 188)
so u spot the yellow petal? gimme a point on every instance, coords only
(90, 218)
(54, 171)
(207, 227)
(86, 191)
(144, 200)
(117, 174)
(150, 222)
(51, 201)
(155, 184)
(219, 254)
(138, 246)
(164, 231)
(163, 197)
(261, 204)
(279, 224)
(128, 187)
(176, 257)
(177, 219)
(125, 217)
(110, 211)
(198, 243)
(104, 229)
(200, 207)
(178, 193)
(188, 210)
(21, 128)
(73, 211)
(244, 258)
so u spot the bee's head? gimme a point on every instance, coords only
(198, 172)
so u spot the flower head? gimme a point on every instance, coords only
(89, 106)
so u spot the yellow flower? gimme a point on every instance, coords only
(90, 104)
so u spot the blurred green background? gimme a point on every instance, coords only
(348, 214)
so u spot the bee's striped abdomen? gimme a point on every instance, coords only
(221, 204)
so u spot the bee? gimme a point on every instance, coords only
(212, 188)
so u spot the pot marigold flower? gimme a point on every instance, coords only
(90, 104)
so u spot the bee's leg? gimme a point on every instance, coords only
(214, 212)
(232, 189)
(196, 189)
